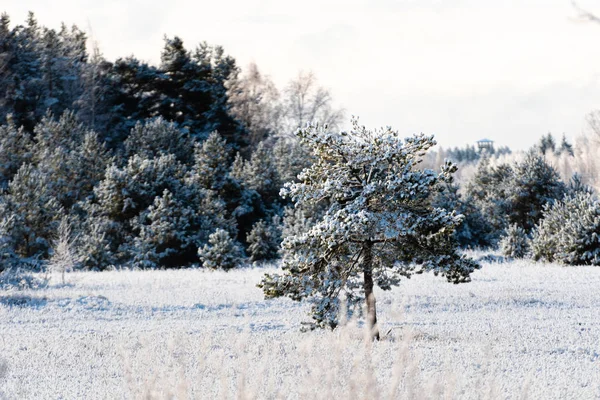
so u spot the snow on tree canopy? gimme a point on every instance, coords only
(379, 221)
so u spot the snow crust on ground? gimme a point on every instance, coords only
(519, 330)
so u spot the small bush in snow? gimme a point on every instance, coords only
(64, 258)
(21, 279)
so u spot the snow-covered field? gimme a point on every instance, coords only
(519, 330)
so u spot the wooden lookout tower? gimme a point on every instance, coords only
(485, 144)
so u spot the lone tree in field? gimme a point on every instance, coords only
(378, 225)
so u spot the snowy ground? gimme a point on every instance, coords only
(518, 330)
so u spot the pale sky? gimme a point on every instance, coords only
(508, 70)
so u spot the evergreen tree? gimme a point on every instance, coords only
(180, 88)
(213, 170)
(35, 211)
(27, 96)
(132, 97)
(71, 156)
(489, 190)
(127, 191)
(73, 60)
(16, 149)
(379, 222)
(569, 231)
(8, 258)
(263, 241)
(98, 238)
(547, 143)
(212, 162)
(535, 183)
(221, 251)
(259, 174)
(97, 91)
(565, 147)
(515, 244)
(474, 230)
(7, 60)
(168, 234)
(290, 158)
(172, 229)
(193, 91)
(218, 116)
(576, 186)
(158, 137)
(466, 155)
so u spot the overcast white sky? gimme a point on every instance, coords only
(508, 70)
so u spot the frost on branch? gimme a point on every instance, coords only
(379, 224)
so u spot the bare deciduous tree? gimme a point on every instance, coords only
(305, 102)
(254, 101)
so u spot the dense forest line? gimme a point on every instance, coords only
(179, 164)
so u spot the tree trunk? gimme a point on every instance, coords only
(368, 286)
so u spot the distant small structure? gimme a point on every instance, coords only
(485, 144)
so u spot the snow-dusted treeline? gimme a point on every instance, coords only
(178, 164)
(151, 166)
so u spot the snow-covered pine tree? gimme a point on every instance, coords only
(172, 228)
(157, 137)
(168, 234)
(475, 230)
(7, 55)
(71, 156)
(565, 147)
(534, 184)
(213, 170)
(35, 210)
(212, 161)
(27, 94)
(379, 225)
(8, 258)
(259, 174)
(515, 243)
(576, 186)
(118, 199)
(98, 242)
(221, 251)
(131, 97)
(264, 240)
(488, 190)
(16, 149)
(290, 158)
(547, 144)
(125, 192)
(569, 232)
(94, 103)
